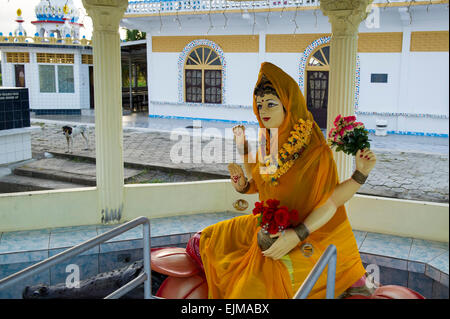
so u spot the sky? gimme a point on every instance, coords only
(8, 15)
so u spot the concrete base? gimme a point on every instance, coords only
(15, 145)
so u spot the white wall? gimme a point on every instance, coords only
(38, 100)
(379, 97)
(164, 77)
(288, 62)
(84, 82)
(245, 67)
(428, 83)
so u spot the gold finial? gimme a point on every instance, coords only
(66, 9)
(19, 12)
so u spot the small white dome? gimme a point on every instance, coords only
(53, 10)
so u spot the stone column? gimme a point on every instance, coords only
(106, 15)
(345, 17)
(403, 96)
(149, 68)
(262, 47)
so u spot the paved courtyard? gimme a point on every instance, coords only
(408, 167)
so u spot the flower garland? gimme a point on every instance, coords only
(288, 153)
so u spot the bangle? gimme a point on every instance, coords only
(246, 187)
(301, 231)
(243, 150)
(359, 177)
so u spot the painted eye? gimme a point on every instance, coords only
(259, 106)
(272, 104)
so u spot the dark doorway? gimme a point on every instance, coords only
(91, 87)
(317, 96)
(20, 75)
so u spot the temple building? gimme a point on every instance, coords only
(54, 64)
(203, 59)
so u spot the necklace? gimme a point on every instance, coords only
(288, 153)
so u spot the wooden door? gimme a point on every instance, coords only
(20, 75)
(91, 87)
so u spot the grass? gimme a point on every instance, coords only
(80, 160)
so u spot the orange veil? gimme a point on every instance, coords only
(233, 262)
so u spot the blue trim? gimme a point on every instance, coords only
(256, 123)
(44, 45)
(230, 106)
(201, 119)
(412, 133)
(56, 112)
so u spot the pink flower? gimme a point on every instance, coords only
(336, 121)
(332, 132)
(348, 128)
(349, 119)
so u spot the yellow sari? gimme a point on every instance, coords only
(233, 262)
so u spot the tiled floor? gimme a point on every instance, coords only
(416, 263)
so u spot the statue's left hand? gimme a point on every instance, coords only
(365, 161)
(283, 245)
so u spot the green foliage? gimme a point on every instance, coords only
(358, 140)
(260, 216)
(134, 35)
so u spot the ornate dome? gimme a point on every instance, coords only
(53, 10)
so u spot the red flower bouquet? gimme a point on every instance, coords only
(348, 136)
(273, 218)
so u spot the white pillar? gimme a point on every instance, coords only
(345, 17)
(403, 96)
(150, 76)
(106, 15)
(262, 47)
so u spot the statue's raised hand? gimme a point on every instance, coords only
(239, 133)
(237, 175)
(365, 161)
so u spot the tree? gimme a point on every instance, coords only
(133, 35)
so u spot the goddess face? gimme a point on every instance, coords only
(271, 111)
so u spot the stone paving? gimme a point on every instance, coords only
(399, 174)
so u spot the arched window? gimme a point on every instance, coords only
(317, 75)
(203, 76)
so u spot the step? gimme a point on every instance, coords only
(14, 183)
(55, 175)
(64, 170)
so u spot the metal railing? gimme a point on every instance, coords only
(329, 257)
(145, 277)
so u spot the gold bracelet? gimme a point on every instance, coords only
(359, 177)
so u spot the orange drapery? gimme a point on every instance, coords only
(233, 262)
